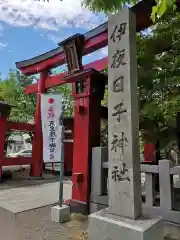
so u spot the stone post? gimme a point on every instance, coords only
(123, 218)
(123, 117)
(166, 185)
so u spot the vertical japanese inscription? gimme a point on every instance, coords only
(124, 165)
(119, 141)
(118, 110)
(118, 84)
(118, 58)
(120, 172)
(118, 31)
(52, 133)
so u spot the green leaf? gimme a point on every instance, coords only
(154, 13)
(163, 7)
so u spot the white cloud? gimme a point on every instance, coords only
(3, 45)
(51, 15)
(55, 38)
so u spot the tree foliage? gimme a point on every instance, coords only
(66, 90)
(12, 91)
(159, 78)
(161, 7)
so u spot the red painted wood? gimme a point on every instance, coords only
(90, 46)
(86, 136)
(37, 147)
(96, 43)
(52, 81)
(68, 156)
(21, 126)
(3, 122)
(17, 161)
(149, 152)
(47, 64)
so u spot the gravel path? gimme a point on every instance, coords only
(37, 225)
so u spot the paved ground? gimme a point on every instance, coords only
(20, 194)
(28, 200)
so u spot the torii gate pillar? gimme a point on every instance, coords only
(88, 94)
(4, 114)
(37, 146)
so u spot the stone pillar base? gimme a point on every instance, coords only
(60, 214)
(105, 226)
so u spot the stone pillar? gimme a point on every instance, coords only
(166, 185)
(97, 170)
(123, 118)
(123, 219)
(150, 180)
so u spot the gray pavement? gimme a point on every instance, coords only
(25, 209)
(27, 198)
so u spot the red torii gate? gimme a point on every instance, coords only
(84, 124)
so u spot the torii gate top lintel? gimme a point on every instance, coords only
(94, 40)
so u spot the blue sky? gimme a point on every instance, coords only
(30, 27)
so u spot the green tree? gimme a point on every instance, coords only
(66, 90)
(12, 91)
(159, 80)
(161, 7)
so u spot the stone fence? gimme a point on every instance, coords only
(160, 194)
